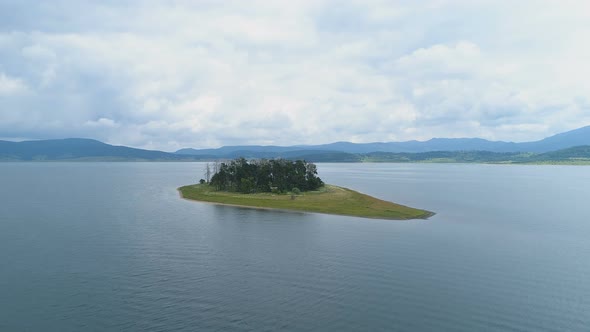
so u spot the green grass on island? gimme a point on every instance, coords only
(329, 199)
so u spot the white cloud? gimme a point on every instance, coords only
(204, 74)
(461, 57)
(102, 122)
(10, 85)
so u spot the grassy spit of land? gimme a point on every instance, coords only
(329, 199)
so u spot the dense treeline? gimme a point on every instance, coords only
(279, 175)
(575, 155)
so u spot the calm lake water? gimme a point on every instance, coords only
(111, 247)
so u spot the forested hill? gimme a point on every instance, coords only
(79, 149)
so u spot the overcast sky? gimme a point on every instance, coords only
(173, 74)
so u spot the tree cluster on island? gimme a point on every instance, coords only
(274, 175)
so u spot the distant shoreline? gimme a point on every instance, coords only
(108, 160)
(331, 199)
(566, 148)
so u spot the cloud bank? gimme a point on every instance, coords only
(178, 74)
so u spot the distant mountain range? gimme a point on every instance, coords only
(571, 146)
(565, 140)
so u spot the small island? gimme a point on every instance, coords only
(289, 185)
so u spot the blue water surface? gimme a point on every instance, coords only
(112, 247)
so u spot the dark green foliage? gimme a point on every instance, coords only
(575, 153)
(275, 175)
(202, 181)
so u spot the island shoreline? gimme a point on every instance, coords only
(425, 215)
